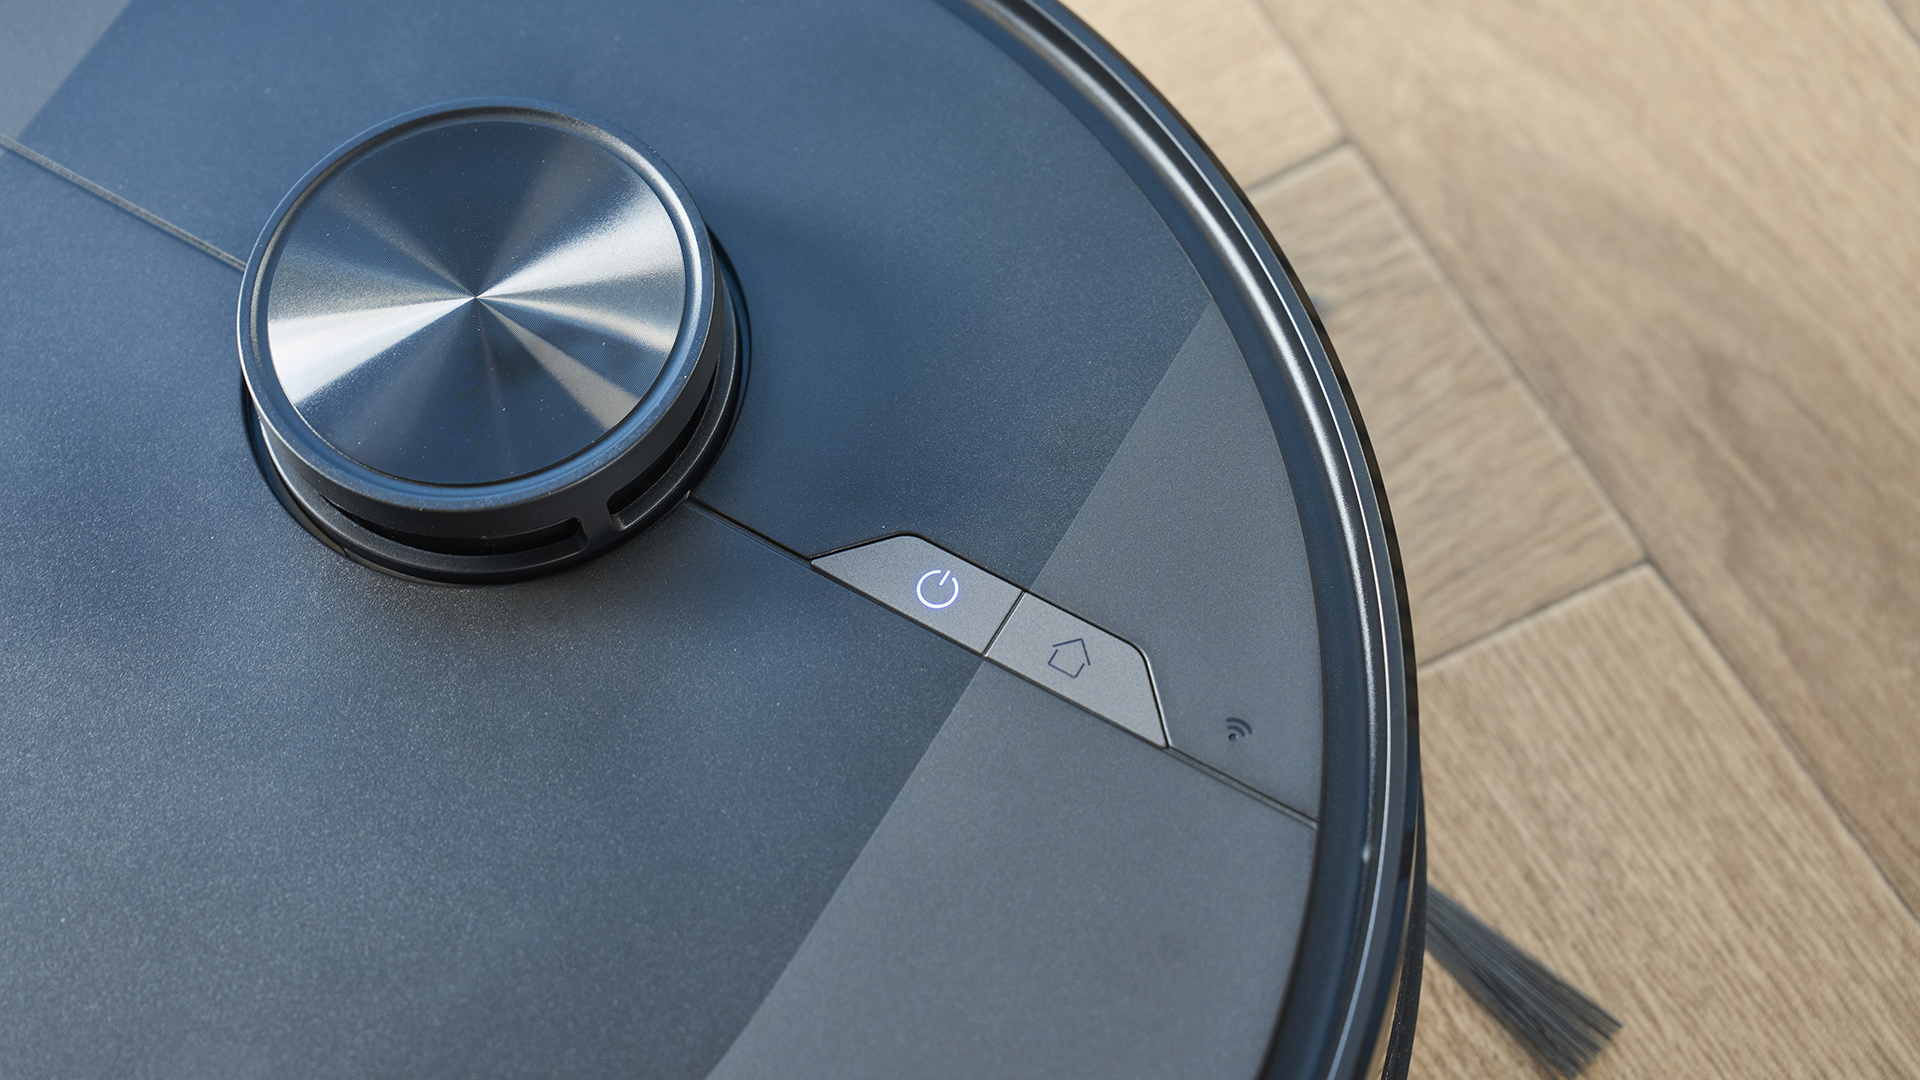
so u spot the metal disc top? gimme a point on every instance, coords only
(474, 302)
(486, 340)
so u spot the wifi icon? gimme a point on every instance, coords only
(1237, 729)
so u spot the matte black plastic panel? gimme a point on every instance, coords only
(269, 812)
(1190, 547)
(1048, 898)
(958, 299)
(40, 42)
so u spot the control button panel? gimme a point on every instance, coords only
(1082, 663)
(1017, 630)
(945, 594)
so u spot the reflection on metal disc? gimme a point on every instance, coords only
(474, 302)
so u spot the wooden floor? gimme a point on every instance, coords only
(1629, 293)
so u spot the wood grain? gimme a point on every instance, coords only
(1692, 227)
(1909, 13)
(1495, 517)
(1220, 63)
(1602, 788)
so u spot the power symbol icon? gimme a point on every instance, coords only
(937, 589)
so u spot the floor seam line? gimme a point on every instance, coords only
(1792, 745)
(1351, 138)
(1515, 623)
(1287, 172)
(1501, 354)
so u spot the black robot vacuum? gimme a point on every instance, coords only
(734, 540)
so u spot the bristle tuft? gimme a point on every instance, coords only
(1561, 1028)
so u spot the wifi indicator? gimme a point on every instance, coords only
(1237, 729)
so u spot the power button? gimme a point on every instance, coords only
(946, 589)
(949, 596)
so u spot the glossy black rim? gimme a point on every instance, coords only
(1353, 983)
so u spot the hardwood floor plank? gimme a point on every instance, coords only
(1909, 13)
(1494, 515)
(1602, 788)
(1692, 228)
(1220, 63)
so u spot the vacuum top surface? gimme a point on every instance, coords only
(996, 676)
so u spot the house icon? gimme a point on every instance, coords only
(1070, 658)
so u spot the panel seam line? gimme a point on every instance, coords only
(104, 194)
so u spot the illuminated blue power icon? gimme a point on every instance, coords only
(937, 589)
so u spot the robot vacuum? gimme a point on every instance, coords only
(731, 540)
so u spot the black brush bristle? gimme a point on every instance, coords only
(1563, 1029)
